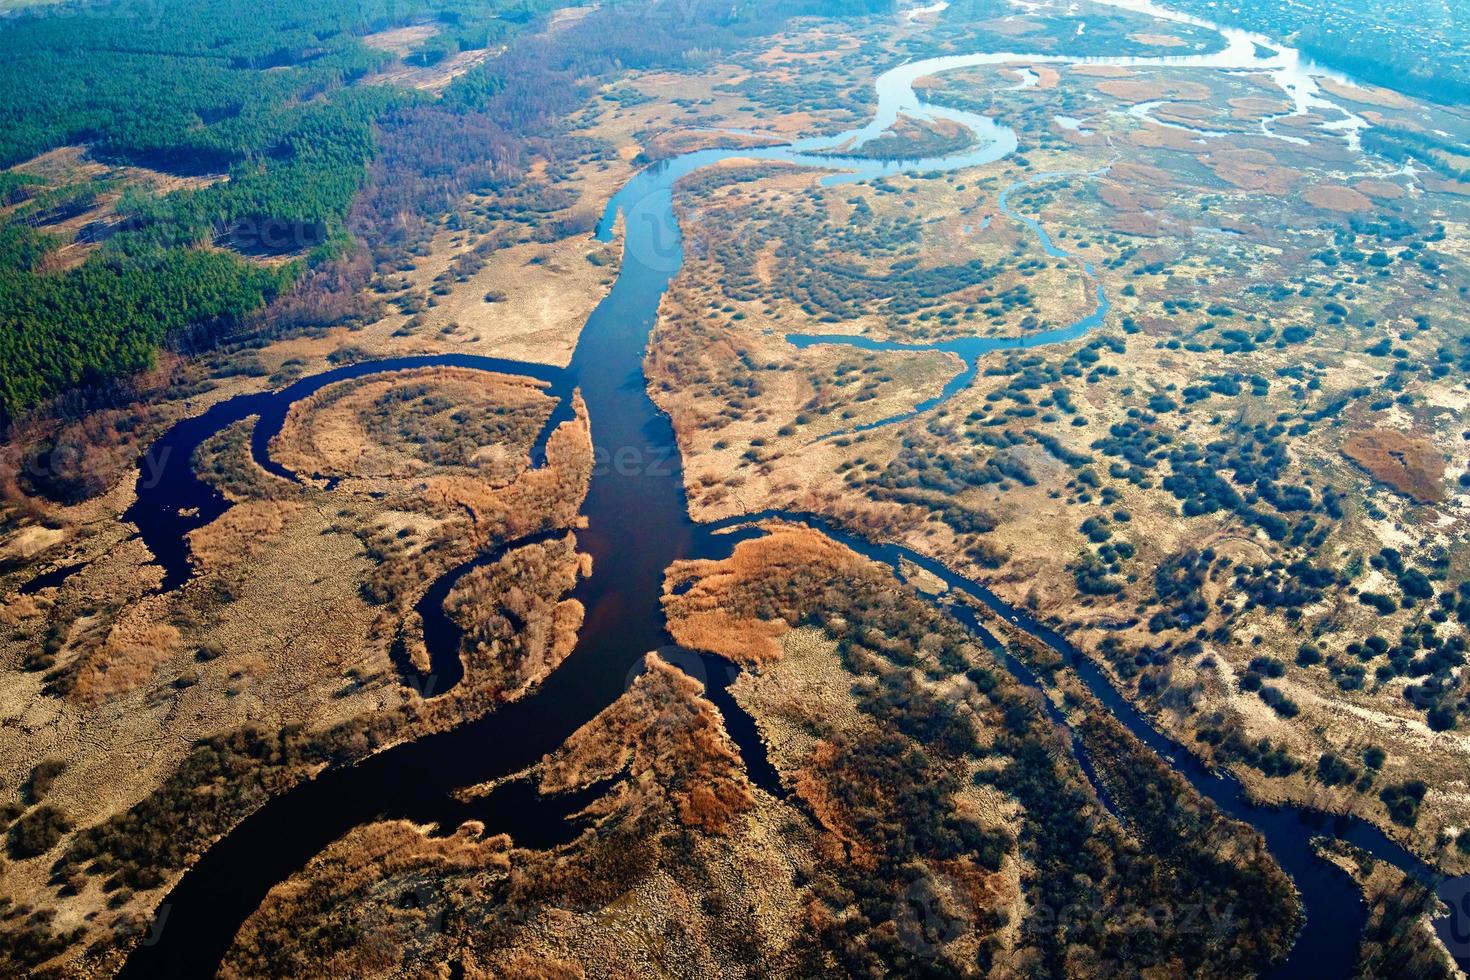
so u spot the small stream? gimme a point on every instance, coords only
(638, 525)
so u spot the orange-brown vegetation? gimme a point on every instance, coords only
(1256, 107)
(1366, 94)
(1184, 113)
(546, 497)
(676, 774)
(1102, 71)
(1409, 464)
(1335, 197)
(672, 745)
(1154, 136)
(474, 516)
(1150, 90)
(1157, 40)
(361, 866)
(1137, 223)
(1382, 189)
(240, 533)
(750, 632)
(125, 658)
(1135, 174)
(1253, 170)
(405, 423)
(517, 627)
(1046, 76)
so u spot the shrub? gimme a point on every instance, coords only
(37, 832)
(1334, 771)
(42, 777)
(1403, 801)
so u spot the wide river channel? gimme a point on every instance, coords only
(638, 524)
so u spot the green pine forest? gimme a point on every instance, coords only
(189, 87)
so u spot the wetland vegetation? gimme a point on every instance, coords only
(379, 587)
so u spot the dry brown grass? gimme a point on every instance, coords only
(547, 291)
(671, 742)
(1153, 89)
(701, 617)
(127, 658)
(1157, 40)
(1337, 198)
(240, 533)
(1253, 170)
(401, 40)
(1366, 94)
(1381, 189)
(1046, 78)
(358, 866)
(1254, 108)
(550, 496)
(517, 626)
(347, 429)
(1102, 71)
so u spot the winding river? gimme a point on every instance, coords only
(638, 525)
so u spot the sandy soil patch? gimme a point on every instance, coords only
(1366, 94)
(31, 541)
(542, 297)
(1157, 40)
(1011, 26)
(401, 41)
(1102, 71)
(72, 165)
(567, 16)
(432, 78)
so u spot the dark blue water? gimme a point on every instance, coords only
(51, 579)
